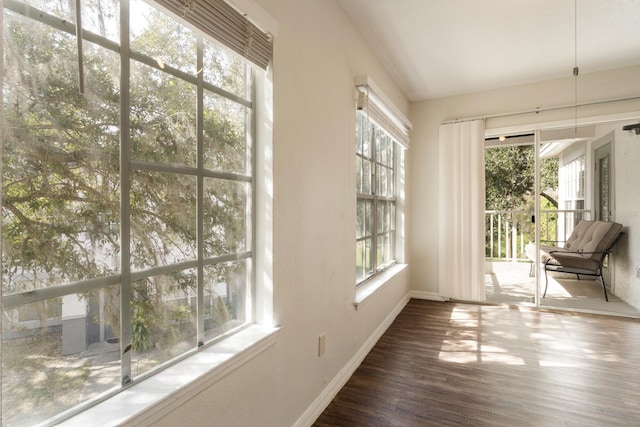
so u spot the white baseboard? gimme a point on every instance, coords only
(332, 389)
(432, 296)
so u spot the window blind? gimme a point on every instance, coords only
(220, 20)
(371, 102)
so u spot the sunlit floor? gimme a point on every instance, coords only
(508, 282)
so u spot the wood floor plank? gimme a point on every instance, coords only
(447, 364)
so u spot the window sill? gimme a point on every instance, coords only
(375, 283)
(140, 401)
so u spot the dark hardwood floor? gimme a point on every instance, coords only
(446, 364)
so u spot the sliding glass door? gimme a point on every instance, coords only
(540, 185)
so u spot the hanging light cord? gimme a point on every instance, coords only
(576, 70)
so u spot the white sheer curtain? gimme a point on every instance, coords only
(461, 211)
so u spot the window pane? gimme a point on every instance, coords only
(224, 297)
(225, 141)
(359, 130)
(366, 177)
(359, 177)
(163, 322)
(161, 37)
(364, 260)
(58, 353)
(363, 135)
(364, 225)
(163, 117)
(383, 250)
(385, 149)
(361, 218)
(381, 178)
(226, 214)
(360, 261)
(60, 150)
(61, 9)
(102, 18)
(381, 152)
(391, 180)
(390, 152)
(385, 181)
(368, 225)
(163, 219)
(392, 216)
(225, 70)
(382, 216)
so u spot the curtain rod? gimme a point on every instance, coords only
(539, 110)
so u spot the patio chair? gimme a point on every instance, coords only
(584, 253)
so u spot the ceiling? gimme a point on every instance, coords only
(438, 48)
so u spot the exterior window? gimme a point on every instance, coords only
(376, 198)
(127, 215)
(574, 182)
(573, 190)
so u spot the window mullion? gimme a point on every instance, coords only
(251, 273)
(125, 199)
(78, 9)
(374, 178)
(200, 192)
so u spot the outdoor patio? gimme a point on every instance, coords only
(509, 282)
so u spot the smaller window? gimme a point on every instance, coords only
(378, 140)
(573, 191)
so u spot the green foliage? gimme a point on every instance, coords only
(61, 154)
(61, 179)
(510, 181)
(510, 177)
(142, 324)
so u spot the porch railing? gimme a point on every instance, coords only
(507, 232)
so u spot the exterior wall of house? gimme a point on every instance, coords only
(317, 55)
(426, 116)
(627, 212)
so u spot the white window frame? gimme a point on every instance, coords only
(376, 135)
(381, 117)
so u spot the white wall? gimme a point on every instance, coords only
(317, 55)
(627, 212)
(426, 117)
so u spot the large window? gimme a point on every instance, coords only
(127, 198)
(376, 197)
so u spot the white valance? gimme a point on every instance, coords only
(380, 110)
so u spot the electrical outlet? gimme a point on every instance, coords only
(321, 345)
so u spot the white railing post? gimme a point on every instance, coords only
(492, 218)
(514, 240)
(499, 236)
(515, 222)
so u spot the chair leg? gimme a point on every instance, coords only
(531, 269)
(604, 288)
(546, 283)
